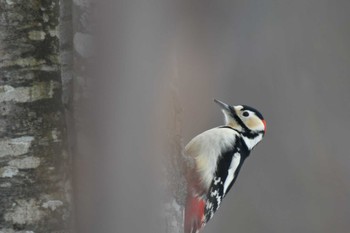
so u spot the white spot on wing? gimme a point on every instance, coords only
(209, 205)
(231, 172)
(217, 180)
(217, 196)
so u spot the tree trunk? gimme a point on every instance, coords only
(34, 163)
(176, 183)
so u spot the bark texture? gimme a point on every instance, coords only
(175, 168)
(34, 163)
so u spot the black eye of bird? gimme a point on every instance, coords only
(245, 114)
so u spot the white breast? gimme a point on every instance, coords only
(206, 148)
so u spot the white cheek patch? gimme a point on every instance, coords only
(231, 172)
(254, 123)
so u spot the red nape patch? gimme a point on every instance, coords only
(264, 125)
(194, 214)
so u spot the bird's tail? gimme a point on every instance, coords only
(194, 213)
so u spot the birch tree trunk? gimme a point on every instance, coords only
(34, 163)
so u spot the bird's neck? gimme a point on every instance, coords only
(234, 125)
(251, 139)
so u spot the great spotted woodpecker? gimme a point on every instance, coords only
(218, 155)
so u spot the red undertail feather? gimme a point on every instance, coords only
(194, 213)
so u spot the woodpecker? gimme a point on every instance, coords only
(217, 156)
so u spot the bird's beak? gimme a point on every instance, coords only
(225, 107)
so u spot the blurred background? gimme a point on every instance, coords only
(289, 59)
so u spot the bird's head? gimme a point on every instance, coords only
(244, 119)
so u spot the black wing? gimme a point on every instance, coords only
(229, 165)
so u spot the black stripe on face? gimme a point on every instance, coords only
(252, 135)
(241, 123)
(257, 113)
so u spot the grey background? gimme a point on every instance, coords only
(289, 59)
